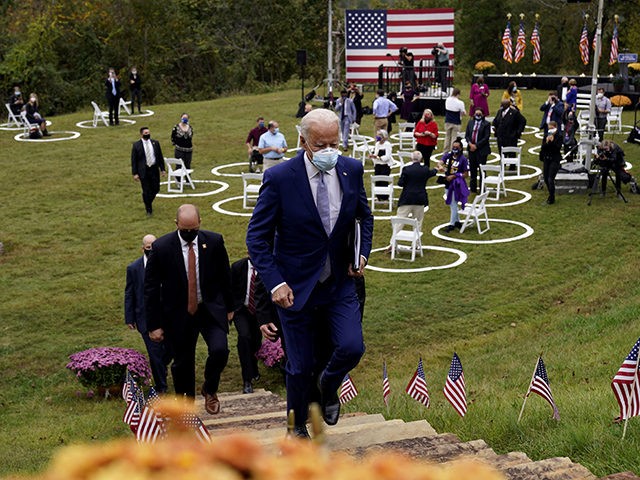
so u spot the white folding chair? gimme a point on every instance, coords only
(614, 120)
(251, 183)
(26, 124)
(475, 213)
(493, 178)
(404, 158)
(405, 231)
(406, 140)
(179, 174)
(124, 105)
(11, 117)
(99, 115)
(386, 190)
(361, 147)
(355, 129)
(508, 160)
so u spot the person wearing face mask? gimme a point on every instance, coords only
(253, 139)
(478, 96)
(477, 136)
(33, 115)
(147, 165)
(16, 102)
(112, 94)
(135, 88)
(187, 293)
(603, 108)
(182, 140)
(456, 168)
(551, 157)
(135, 316)
(552, 111)
(426, 135)
(272, 145)
(299, 239)
(513, 95)
(382, 159)
(346, 110)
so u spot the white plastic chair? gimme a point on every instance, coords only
(405, 231)
(99, 115)
(179, 174)
(26, 124)
(508, 160)
(361, 147)
(493, 180)
(406, 140)
(355, 129)
(404, 158)
(614, 120)
(11, 117)
(124, 105)
(382, 190)
(475, 213)
(251, 183)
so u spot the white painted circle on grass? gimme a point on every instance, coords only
(526, 196)
(146, 113)
(462, 257)
(189, 192)
(528, 231)
(70, 135)
(89, 123)
(217, 207)
(216, 170)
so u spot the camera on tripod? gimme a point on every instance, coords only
(603, 160)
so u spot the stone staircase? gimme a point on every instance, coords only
(262, 414)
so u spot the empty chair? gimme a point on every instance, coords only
(406, 140)
(614, 120)
(251, 183)
(177, 174)
(405, 236)
(511, 156)
(124, 105)
(11, 117)
(493, 178)
(475, 213)
(383, 189)
(361, 148)
(355, 129)
(99, 115)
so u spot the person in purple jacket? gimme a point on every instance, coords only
(456, 169)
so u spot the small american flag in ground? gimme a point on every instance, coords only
(507, 52)
(193, 421)
(535, 42)
(584, 45)
(626, 386)
(348, 390)
(417, 388)
(127, 386)
(134, 409)
(386, 389)
(613, 56)
(151, 424)
(540, 385)
(454, 388)
(521, 44)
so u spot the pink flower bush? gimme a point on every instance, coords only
(106, 366)
(270, 353)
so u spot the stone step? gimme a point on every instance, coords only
(622, 476)
(242, 404)
(372, 434)
(556, 468)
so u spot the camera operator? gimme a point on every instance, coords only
(408, 73)
(610, 157)
(441, 62)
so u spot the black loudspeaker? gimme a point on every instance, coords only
(301, 57)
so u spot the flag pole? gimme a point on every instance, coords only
(529, 389)
(631, 390)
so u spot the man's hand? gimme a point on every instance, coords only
(283, 296)
(156, 335)
(163, 173)
(360, 272)
(132, 326)
(269, 331)
(136, 178)
(473, 147)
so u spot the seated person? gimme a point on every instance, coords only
(16, 102)
(33, 116)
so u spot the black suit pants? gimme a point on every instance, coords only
(249, 341)
(183, 337)
(150, 186)
(114, 108)
(159, 358)
(549, 172)
(475, 178)
(426, 151)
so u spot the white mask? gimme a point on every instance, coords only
(552, 131)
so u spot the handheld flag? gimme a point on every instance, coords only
(454, 388)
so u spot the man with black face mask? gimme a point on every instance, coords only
(135, 316)
(477, 135)
(187, 293)
(147, 164)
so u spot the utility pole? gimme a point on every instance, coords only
(594, 85)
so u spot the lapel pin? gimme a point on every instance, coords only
(204, 246)
(344, 173)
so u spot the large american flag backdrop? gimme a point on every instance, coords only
(372, 34)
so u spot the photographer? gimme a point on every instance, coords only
(610, 157)
(441, 62)
(408, 73)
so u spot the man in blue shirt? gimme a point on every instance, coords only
(272, 145)
(382, 108)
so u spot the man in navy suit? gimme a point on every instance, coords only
(187, 293)
(413, 181)
(299, 240)
(147, 164)
(135, 316)
(477, 135)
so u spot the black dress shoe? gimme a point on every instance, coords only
(458, 225)
(329, 404)
(300, 431)
(248, 388)
(449, 228)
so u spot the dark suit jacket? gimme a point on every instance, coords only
(482, 141)
(139, 158)
(509, 128)
(413, 181)
(108, 93)
(551, 151)
(286, 239)
(166, 289)
(556, 114)
(134, 312)
(265, 309)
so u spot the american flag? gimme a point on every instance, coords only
(386, 389)
(417, 388)
(373, 38)
(348, 390)
(151, 424)
(134, 409)
(193, 421)
(454, 388)
(584, 45)
(507, 52)
(126, 386)
(540, 385)
(626, 386)
(521, 44)
(613, 56)
(535, 42)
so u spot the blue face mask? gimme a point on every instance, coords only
(185, 120)
(276, 131)
(325, 159)
(455, 151)
(378, 138)
(261, 124)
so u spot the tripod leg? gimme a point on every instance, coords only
(594, 187)
(618, 191)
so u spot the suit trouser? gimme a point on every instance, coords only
(136, 94)
(451, 132)
(416, 211)
(426, 151)
(345, 128)
(150, 187)
(159, 358)
(114, 107)
(249, 341)
(329, 308)
(183, 337)
(549, 171)
(475, 179)
(380, 124)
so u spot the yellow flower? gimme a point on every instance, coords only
(620, 101)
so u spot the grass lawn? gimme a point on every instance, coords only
(73, 218)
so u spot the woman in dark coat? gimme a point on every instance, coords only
(550, 156)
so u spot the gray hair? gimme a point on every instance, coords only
(416, 156)
(319, 115)
(383, 134)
